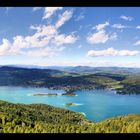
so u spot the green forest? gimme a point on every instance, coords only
(41, 118)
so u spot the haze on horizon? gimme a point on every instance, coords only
(70, 36)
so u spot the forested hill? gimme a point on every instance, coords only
(33, 77)
(123, 83)
(40, 118)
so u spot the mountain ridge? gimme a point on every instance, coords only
(79, 69)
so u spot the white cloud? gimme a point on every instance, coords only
(138, 27)
(40, 43)
(49, 11)
(48, 31)
(137, 43)
(19, 42)
(35, 27)
(101, 26)
(63, 18)
(36, 8)
(101, 36)
(111, 52)
(98, 37)
(80, 17)
(4, 47)
(127, 18)
(63, 39)
(40, 40)
(119, 26)
(114, 36)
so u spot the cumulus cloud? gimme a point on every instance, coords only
(4, 47)
(138, 27)
(63, 39)
(63, 18)
(39, 39)
(45, 30)
(137, 43)
(101, 36)
(98, 37)
(127, 18)
(119, 26)
(35, 27)
(49, 11)
(111, 52)
(100, 27)
(41, 42)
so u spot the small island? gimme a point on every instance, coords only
(47, 94)
(71, 104)
(55, 94)
(69, 94)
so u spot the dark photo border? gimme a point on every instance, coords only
(70, 3)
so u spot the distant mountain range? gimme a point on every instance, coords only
(82, 69)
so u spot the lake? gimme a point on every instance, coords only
(97, 105)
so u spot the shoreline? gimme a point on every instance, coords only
(63, 88)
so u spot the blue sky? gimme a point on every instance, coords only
(70, 36)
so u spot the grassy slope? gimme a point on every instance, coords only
(39, 118)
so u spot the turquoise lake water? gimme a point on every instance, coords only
(97, 105)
